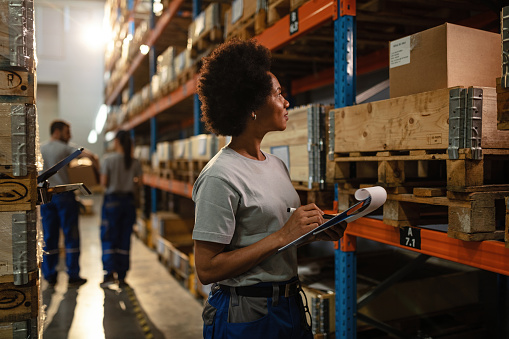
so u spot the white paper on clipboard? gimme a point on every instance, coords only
(369, 198)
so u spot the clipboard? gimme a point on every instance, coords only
(369, 198)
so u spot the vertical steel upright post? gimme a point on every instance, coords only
(344, 94)
(152, 58)
(198, 126)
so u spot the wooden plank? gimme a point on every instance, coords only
(502, 106)
(411, 122)
(492, 137)
(414, 122)
(296, 132)
(429, 192)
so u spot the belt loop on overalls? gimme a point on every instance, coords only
(275, 294)
(234, 296)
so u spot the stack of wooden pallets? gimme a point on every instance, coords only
(20, 250)
(434, 145)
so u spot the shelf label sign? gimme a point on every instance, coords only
(410, 237)
(294, 21)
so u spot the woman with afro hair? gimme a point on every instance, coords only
(242, 196)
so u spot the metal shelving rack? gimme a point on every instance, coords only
(487, 255)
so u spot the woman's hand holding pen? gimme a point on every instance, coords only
(333, 233)
(302, 220)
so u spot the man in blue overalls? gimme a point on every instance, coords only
(63, 210)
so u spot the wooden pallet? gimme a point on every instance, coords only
(207, 41)
(277, 9)
(247, 28)
(185, 75)
(400, 171)
(473, 216)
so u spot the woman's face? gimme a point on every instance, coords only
(273, 115)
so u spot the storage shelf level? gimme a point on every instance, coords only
(488, 255)
(174, 186)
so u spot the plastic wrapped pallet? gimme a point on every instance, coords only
(18, 133)
(164, 150)
(17, 34)
(181, 149)
(204, 146)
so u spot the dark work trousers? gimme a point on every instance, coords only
(228, 316)
(61, 212)
(118, 218)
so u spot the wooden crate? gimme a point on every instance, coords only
(302, 146)
(414, 122)
(19, 302)
(207, 30)
(17, 34)
(18, 244)
(245, 19)
(17, 138)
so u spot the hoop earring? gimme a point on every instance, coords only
(254, 116)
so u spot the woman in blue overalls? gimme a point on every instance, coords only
(242, 198)
(120, 175)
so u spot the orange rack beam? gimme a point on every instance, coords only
(181, 93)
(163, 21)
(487, 255)
(311, 15)
(178, 187)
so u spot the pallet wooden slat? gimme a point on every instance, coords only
(414, 122)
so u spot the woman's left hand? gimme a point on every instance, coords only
(333, 233)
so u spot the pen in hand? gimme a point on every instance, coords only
(325, 216)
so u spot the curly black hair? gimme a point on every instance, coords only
(234, 81)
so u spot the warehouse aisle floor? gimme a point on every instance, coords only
(154, 305)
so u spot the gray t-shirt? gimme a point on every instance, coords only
(240, 201)
(52, 152)
(120, 180)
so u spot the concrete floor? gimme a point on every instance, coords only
(155, 305)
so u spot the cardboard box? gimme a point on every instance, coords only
(444, 56)
(81, 170)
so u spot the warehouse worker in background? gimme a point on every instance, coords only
(63, 210)
(121, 176)
(242, 196)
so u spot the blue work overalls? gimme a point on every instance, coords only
(61, 212)
(118, 218)
(284, 318)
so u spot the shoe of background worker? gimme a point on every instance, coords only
(76, 282)
(108, 280)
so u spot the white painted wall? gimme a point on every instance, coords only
(66, 59)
